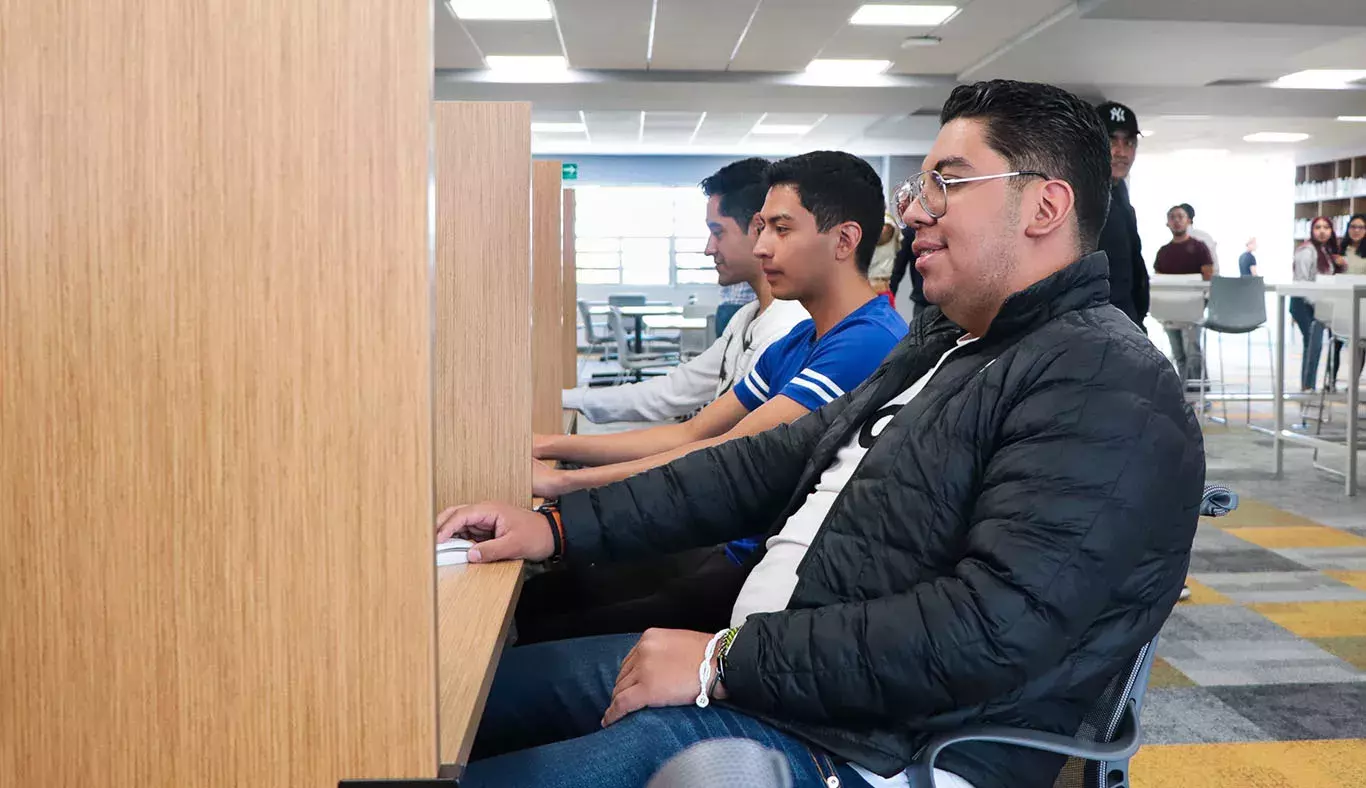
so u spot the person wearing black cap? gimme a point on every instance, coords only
(1119, 240)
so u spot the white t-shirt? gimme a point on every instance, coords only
(769, 586)
(697, 383)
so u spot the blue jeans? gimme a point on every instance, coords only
(542, 726)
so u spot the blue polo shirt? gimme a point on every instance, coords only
(814, 372)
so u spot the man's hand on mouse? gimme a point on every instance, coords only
(503, 532)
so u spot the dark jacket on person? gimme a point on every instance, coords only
(905, 264)
(1120, 242)
(1016, 533)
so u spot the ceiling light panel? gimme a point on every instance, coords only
(526, 68)
(1352, 118)
(1322, 79)
(559, 128)
(1276, 136)
(903, 15)
(504, 10)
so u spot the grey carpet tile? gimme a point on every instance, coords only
(1250, 559)
(1293, 712)
(1193, 715)
(1203, 623)
(1258, 587)
(1352, 559)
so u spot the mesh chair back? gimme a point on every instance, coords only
(588, 332)
(724, 313)
(617, 328)
(1101, 724)
(1237, 304)
(626, 299)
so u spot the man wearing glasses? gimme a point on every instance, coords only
(985, 532)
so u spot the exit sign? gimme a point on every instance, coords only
(569, 171)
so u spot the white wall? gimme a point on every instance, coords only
(1235, 197)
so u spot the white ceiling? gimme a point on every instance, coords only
(714, 68)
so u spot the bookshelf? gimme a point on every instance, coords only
(1336, 189)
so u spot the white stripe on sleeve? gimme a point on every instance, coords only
(820, 392)
(819, 378)
(756, 382)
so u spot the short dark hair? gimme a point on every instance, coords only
(836, 187)
(740, 185)
(1190, 212)
(1044, 128)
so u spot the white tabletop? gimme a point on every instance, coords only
(1322, 287)
(675, 321)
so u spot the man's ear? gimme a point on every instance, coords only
(846, 245)
(1049, 207)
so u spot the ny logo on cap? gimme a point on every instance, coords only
(1117, 114)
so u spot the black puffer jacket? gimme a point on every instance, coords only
(1013, 537)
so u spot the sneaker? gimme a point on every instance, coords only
(1185, 593)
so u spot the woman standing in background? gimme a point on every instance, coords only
(1353, 249)
(1314, 257)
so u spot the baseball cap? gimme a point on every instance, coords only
(1118, 117)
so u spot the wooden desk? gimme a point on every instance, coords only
(474, 608)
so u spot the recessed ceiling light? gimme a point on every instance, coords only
(921, 41)
(780, 128)
(1321, 79)
(1147, 132)
(559, 128)
(527, 67)
(1186, 117)
(1352, 118)
(1276, 136)
(841, 69)
(513, 10)
(903, 15)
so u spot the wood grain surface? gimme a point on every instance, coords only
(215, 411)
(547, 303)
(570, 292)
(482, 421)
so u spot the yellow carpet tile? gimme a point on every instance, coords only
(1202, 594)
(1255, 514)
(1317, 619)
(1164, 675)
(1351, 650)
(1298, 536)
(1354, 579)
(1295, 764)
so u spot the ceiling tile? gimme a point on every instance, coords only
(698, 34)
(868, 42)
(515, 38)
(787, 35)
(604, 34)
(1266, 12)
(452, 47)
(981, 27)
(1122, 53)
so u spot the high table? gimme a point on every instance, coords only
(1322, 289)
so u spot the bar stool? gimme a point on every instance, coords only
(1237, 305)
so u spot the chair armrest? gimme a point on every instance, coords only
(1127, 740)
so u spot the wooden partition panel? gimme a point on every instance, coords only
(215, 412)
(570, 284)
(547, 301)
(482, 420)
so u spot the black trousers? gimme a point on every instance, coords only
(693, 590)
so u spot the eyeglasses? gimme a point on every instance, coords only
(931, 190)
